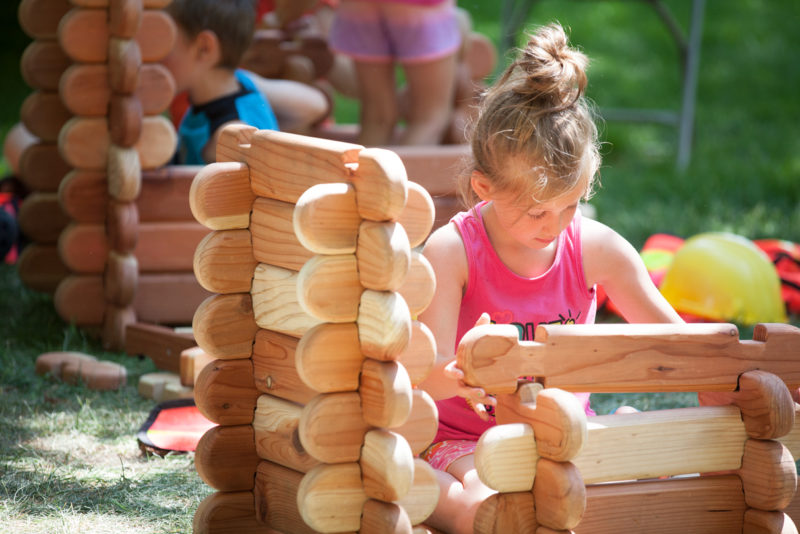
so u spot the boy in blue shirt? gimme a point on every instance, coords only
(212, 37)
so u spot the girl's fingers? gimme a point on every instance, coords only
(483, 319)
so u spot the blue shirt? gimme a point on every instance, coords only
(247, 105)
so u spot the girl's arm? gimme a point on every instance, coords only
(611, 261)
(445, 251)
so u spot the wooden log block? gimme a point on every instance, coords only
(42, 64)
(156, 145)
(419, 285)
(44, 115)
(792, 439)
(124, 63)
(122, 226)
(326, 219)
(192, 361)
(81, 300)
(224, 326)
(153, 385)
(226, 458)
(40, 267)
(385, 391)
(387, 465)
(434, 167)
(677, 442)
(274, 239)
(39, 18)
(506, 457)
(332, 427)
(124, 18)
(120, 278)
(557, 418)
(115, 323)
(123, 173)
(225, 392)
(381, 184)
(384, 325)
(275, 301)
(559, 493)
(83, 195)
(506, 512)
(220, 196)
(623, 357)
(276, 498)
(168, 298)
(161, 344)
(41, 167)
(53, 363)
(422, 422)
(328, 288)
(383, 255)
(768, 410)
(328, 358)
(125, 115)
(330, 498)
(274, 367)
(768, 473)
(224, 262)
(276, 423)
(764, 522)
(160, 247)
(418, 215)
(85, 33)
(423, 496)
(41, 219)
(146, 4)
(227, 513)
(697, 504)
(419, 355)
(383, 517)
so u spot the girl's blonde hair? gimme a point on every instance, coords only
(535, 135)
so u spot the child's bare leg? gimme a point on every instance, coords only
(430, 97)
(376, 87)
(461, 493)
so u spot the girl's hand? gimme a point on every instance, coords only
(476, 397)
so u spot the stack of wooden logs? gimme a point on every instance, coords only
(316, 353)
(112, 236)
(718, 468)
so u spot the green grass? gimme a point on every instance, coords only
(69, 461)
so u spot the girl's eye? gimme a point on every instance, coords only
(537, 215)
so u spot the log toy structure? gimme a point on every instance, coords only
(315, 285)
(552, 465)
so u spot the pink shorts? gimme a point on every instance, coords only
(443, 453)
(395, 31)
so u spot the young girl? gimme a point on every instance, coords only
(523, 254)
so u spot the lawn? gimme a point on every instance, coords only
(69, 460)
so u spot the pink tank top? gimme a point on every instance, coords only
(558, 296)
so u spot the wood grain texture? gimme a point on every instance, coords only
(274, 239)
(42, 64)
(556, 416)
(387, 465)
(226, 458)
(220, 196)
(506, 457)
(124, 63)
(419, 355)
(120, 278)
(419, 285)
(764, 522)
(332, 427)
(385, 391)
(421, 499)
(146, 4)
(125, 116)
(384, 325)
(418, 215)
(276, 498)
(41, 218)
(224, 263)
(41, 167)
(624, 358)
(40, 267)
(384, 518)
(326, 219)
(559, 493)
(506, 512)
(330, 498)
(768, 473)
(225, 392)
(43, 114)
(383, 255)
(422, 423)
(274, 367)
(229, 513)
(84, 142)
(329, 359)
(85, 33)
(39, 18)
(124, 173)
(706, 504)
(275, 301)
(329, 289)
(224, 326)
(276, 424)
(163, 345)
(124, 18)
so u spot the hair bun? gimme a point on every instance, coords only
(551, 70)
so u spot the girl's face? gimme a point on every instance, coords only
(538, 225)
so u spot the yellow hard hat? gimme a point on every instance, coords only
(724, 277)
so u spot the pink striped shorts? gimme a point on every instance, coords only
(443, 453)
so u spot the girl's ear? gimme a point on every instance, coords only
(481, 185)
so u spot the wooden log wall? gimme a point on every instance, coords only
(316, 285)
(557, 470)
